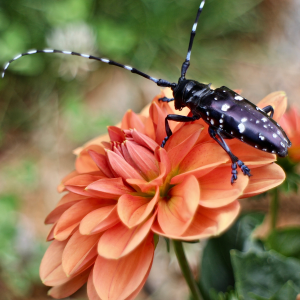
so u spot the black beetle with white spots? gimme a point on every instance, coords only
(228, 114)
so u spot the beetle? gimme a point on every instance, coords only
(227, 113)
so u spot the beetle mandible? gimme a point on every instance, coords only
(228, 114)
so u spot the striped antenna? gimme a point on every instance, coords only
(186, 63)
(159, 82)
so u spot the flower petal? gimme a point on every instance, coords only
(144, 159)
(278, 100)
(217, 190)
(91, 290)
(206, 223)
(99, 220)
(120, 240)
(263, 179)
(202, 159)
(51, 260)
(101, 161)
(80, 250)
(118, 279)
(121, 167)
(144, 140)
(133, 121)
(181, 142)
(135, 209)
(176, 213)
(61, 186)
(84, 162)
(71, 218)
(70, 287)
(111, 188)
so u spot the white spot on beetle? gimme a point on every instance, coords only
(273, 151)
(278, 132)
(244, 120)
(216, 98)
(264, 119)
(264, 149)
(32, 51)
(66, 52)
(194, 27)
(241, 127)
(255, 146)
(85, 55)
(231, 132)
(222, 116)
(221, 121)
(212, 122)
(238, 97)
(221, 126)
(225, 107)
(48, 50)
(257, 122)
(275, 135)
(265, 126)
(207, 113)
(224, 91)
(282, 144)
(128, 68)
(261, 136)
(105, 60)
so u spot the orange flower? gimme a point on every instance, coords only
(125, 191)
(290, 122)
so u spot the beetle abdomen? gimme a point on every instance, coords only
(241, 119)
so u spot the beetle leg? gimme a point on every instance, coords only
(165, 99)
(177, 118)
(216, 135)
(268, 109)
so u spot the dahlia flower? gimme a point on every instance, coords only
(126, 191)
(290, 122)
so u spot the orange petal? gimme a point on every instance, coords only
(58, 211)
(118, 279)
(135, 209)
(84, 162)
(61, 186)
(119, 240)
(52, 260)
(71, 218)
(176, 213)
(79, 252)
(144, 159)
(217, 190)
(109, 188)
(101, 162)
(278, 100)
(70, 287)
(250, 156)
(202, 159)
(116, 134)
(144, 140)
(91, 290)
(99, 220)
(263, 179)
(50, 236)
(182, 142)
(121, 167)
(207, 222)
(132, 121)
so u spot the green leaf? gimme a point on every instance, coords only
(286, 241)
(287, 292)
(263, 274)
(216, 254)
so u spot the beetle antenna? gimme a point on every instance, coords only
(159, 82)
(186, 63)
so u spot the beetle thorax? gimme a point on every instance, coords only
(189, 93)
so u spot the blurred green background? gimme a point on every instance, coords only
(53, 103)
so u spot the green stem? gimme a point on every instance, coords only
(186, 271)
(274, 208)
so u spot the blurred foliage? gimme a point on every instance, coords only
(20, 253)
(248, 268)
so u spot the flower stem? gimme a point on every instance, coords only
(186, 271)
(274, 208)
